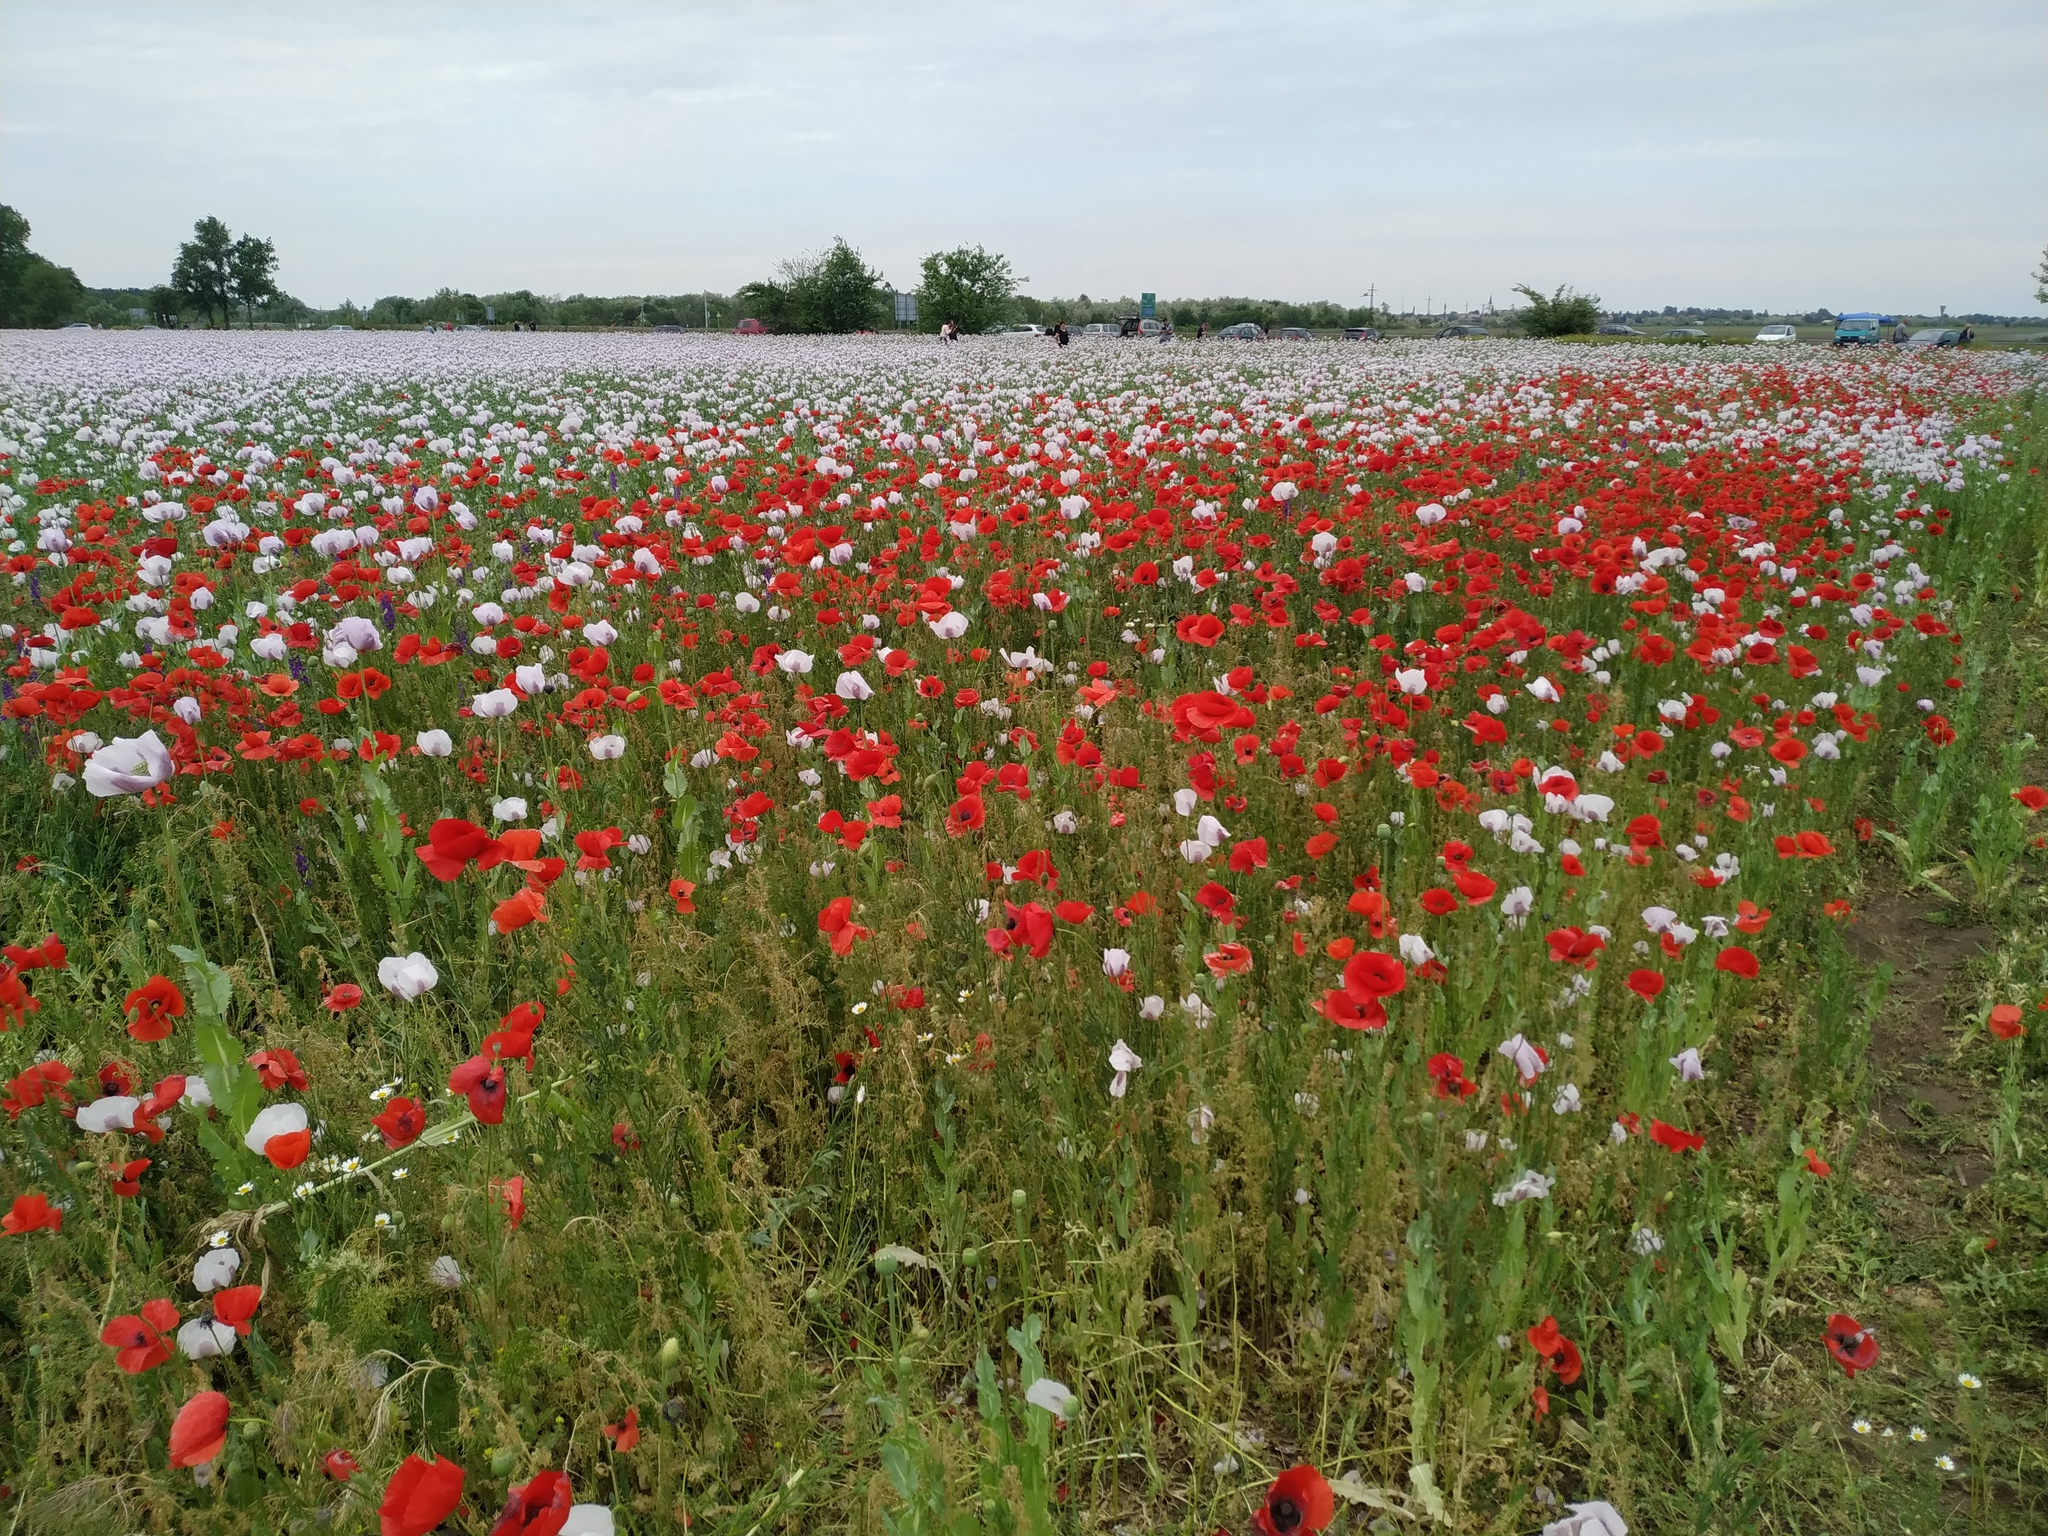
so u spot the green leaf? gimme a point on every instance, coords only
(209, 989)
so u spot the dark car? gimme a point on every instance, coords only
(1244, 330)
(1361, 333)
(1685, 333)
(1295, 333)
(1615, 328)
(1450, 332)
(1935, 336)
(668, 330)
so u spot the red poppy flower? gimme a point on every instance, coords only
(680, 891)
(200, 1431)
(2004, 1021)
(1737, 961)
(138, 1342)
(420, 1495)
(540, 1508)
(624, 1436)
(1675, 1139)
(1473, 886)
(1299, 1501)
(452, 844)
(1438, 902)
(277, 1069)
(401, 1123)
(340, 1465)
(30, 1088)
(127, 1178)
(1851, 1343)
(1645, 984)
(342, 997)
(483, 1080)
(523, 906)
(967, 814)
(836, 922)
(1370, 975)
(236, 1305)
(48, 955)
(1815, 1165)
(511, 1196)
(1203, 629)
(1073, 911)
(289, 1149)
(2031, 797)
(1348, 1012)
(152, 1006)
(31, 1211)
(1228, 960)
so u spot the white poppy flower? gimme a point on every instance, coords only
(407, 976)
(216, 1267)
(1123, 1061)
(274, 1120)
(202, 1338)
(115, 1112)
(128, 765)
(1055, 1397)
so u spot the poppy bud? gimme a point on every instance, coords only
(671, 1353)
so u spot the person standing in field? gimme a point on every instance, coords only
(1059, 332)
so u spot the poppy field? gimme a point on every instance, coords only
(637, 934)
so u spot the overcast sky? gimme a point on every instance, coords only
(1773, 155)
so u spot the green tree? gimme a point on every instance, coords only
(204, 271)
(165, 305)
(1564, 313)
(2041, 280)
(833, 291)
(970, 286)
(33, 291)
(251, 263)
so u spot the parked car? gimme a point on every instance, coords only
(1451, 332)
(670, 329)
(1361, 333)
(1099, 328)
(750, 328)
(341, 327)
(76, 325)
(1775, 333)
(1023, 329)
(1296, 333)
(1615, 328)
(1935, 336)
(1244, 330)
(1863, 329)
(1685, 332)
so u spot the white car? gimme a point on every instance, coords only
(1777, 333)
(1025, 329)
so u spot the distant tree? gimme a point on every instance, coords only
(251, 262)
(833, 291)
(33, 291)
(164, 305)
(2041, 280)
(1564, 313)
(970, 286)
(204, 272)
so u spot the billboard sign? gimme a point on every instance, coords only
(906, 309)
(1148, 303)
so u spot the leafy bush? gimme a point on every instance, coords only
(1564, 313)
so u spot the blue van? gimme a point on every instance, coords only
(1864, 329)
